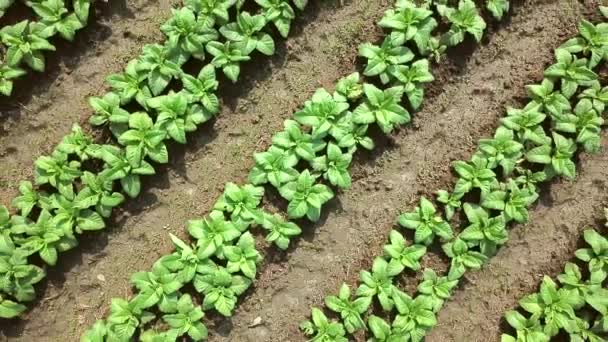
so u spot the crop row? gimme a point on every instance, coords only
(81, 182)
(494, 189)
(307, 163)
(24, 43)
(577, 305)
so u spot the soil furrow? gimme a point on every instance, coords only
(43, 107)
(541, 247)
(80, 288)
(415, 162)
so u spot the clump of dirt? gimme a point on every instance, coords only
(464, 104)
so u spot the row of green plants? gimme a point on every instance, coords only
(494, 190)
(26, 42)
(79, 185)
(307, 163)
(576, 305)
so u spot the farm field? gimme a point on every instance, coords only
(464, 102)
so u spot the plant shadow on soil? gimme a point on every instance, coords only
(69, 54)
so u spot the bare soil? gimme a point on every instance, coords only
(464, 104)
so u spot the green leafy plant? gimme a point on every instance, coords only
(212, 233)
(143, 139)
(305, 197)
(544, 94)
(279, 231)
(176, 117)
(412, 78)
(592, 42)
(73, 218)
(183, 262)
(157, 288)
(241, 202)
(528, 329)
(585, 122)
(297, 143)
(462, 258)
(382, 107)
(161, 64)
(97, 192)
(25, 42)
(187, 320)
(486, 231)
(409, 22)
(526, 122)
(187, 34)
(415, 316)
(323, 329)
(350, 135)
(350, 86)
(125, 317)
(108, 111)
(437, 289)
(379, 283)
(10, 309)
(381, 59)
(27, 200)
(7, 75)
(597, 255)
(202, 89)
(247, 34)
(131, 84)
(474, 174)
(350, 310)
(274, 166)
(322, 112)
(557, 158)
(498, 8)
(56, 17)
(243, 256)
(464, 19)
(17, 277)
(502, 150)
(280, 13)
(512, 200)
(571, 71)
(78, 143)
(211, 11)
(334, 166)
(426, 224)
(58, 171)
(118, 166)
(228, 57)
(220, 288)
(401, 255)
(556, 306)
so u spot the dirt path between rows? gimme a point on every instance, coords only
(465, 106)
(44, 106)
(541, 247)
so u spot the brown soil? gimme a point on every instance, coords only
(464, 105)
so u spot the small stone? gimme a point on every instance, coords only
(257, 321)
(101, 277)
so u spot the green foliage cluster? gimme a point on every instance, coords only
(576, 305)
(79, 184)
(26, 41)
(495, 188)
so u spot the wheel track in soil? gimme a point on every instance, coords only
(416, 163)
(44, 105)
(317, 54)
